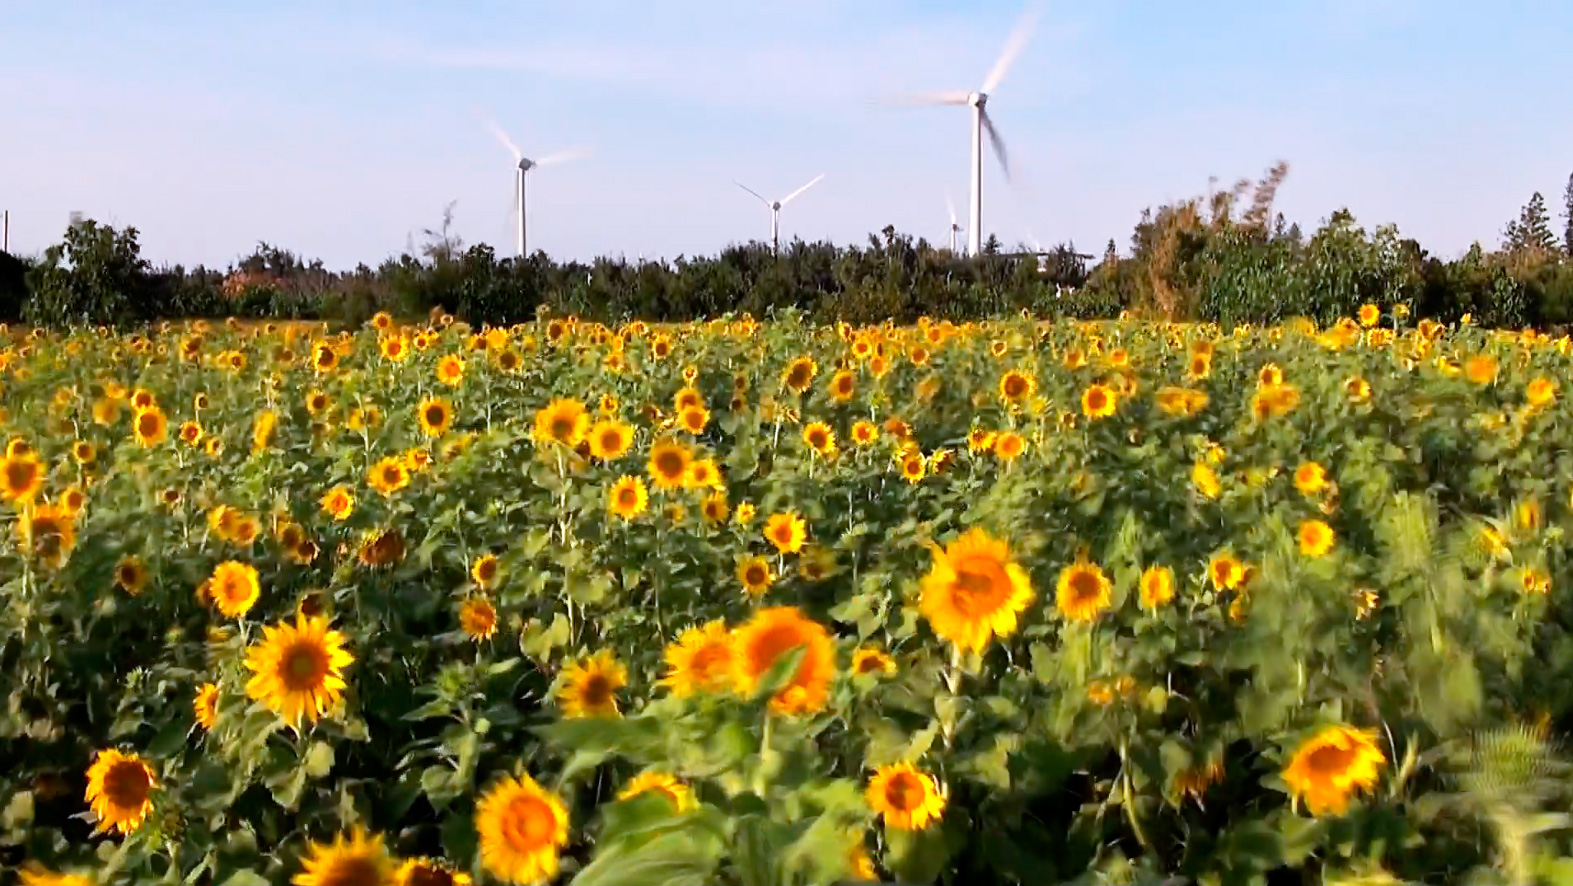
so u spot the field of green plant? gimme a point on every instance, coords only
(770, 603)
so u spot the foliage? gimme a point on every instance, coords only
(97, 276)
(1129, 736)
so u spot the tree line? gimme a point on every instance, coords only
(1226, 257)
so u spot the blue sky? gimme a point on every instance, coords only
(340, 130)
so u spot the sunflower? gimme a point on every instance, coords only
(703, 474)
(361, 860)
(1082, 591)
(775, 632)
(906, 796)
(21, 477)
(450, 370)
(628, 497)
(1332, 765)
(521, 827)
(1540, 392)
(786, 532)
(48, 532)
(799, 374)
(339, 502)
(980, 440)
(36, 875)
(1016, 386)
(589, 687)
(1369, 314)
(562, 421)
(610, 439)
(1074, 358)
(693, 419)
(913, 466)
(755, 575)
(714, 508)
(130, 574)
(1157, 586)
(703, 659)
(1098, 401)
(478, 618)
(668, 465)
(149, 426)
(120, 791)
(1316, 538)
(1310, 478)
(680, 795)
(190, 433)
(234, 588)
(434, 414)
(205, 705)
(864, 433)
(388, 475)
(1225, 571)
(82, 451)
(868, 660)
(429, 872)
(382, 548)
(1009, 445)
(484, 571)
(820, 438)
(298, 669)
(974, 591)
(842, 386)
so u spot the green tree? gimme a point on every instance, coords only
(97, 276)
(1567, 216)
(1531, 233)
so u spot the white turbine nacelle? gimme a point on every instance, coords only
(775, 207)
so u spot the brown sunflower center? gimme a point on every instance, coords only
(1330, 760)
(755, 574)
(1085, 586)
(669, 463)
(611, 440)
(1015, 386)
(904, 792)
(1097, 399)
(817, 438)
(147, 424)
(303, 666)
(20, 473)
(628, 497)
(352, 871)
(427, 875)
(596, 690)
(527, 824)
(435, 415)
(709, 663)
(771, 644)
(798, 376)
(127, 784)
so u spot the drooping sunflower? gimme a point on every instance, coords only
(478, 618)
(773, 633)
(680, 795)
(589, 687)
(610, 439)
(429, 872)
(205, 705)
(974, 591)
(234, 588)
(361, 860)
(21, 477)
(628, 497)
(298, 669)
(47, 532)
(1316, 538)
(564, 421)
(388, 475)
(799, 374)
(703, 659)
(820, 438)
(1082, 592)
(669, 461)
(869, 660)
(339, 502)
(755, 575)
(120, 791)
(1098, 401)
(907, 797)
(1016, 386)
(522, 828)
(149, 426)
(434, 414)
(484, 571)
(1328, 768)
(382, 548)
(787, 532)
(1157, 587)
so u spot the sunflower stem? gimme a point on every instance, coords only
(1128, 798)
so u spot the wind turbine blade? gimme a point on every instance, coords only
(793, 196)
(506, 141)
(1013, 47)
(997, 142)
(952, 97)
(563, 156)
(950, 207)
(752, 191)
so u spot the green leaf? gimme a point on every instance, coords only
(319, 759)
(917, 856)
(675, 859)
(18, 812)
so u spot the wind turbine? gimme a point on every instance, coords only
(982, 123)
(950, 207)
(775, 208)
(523, 167)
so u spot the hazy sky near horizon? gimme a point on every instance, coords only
(340, 130)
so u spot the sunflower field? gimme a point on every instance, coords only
(770, 603)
